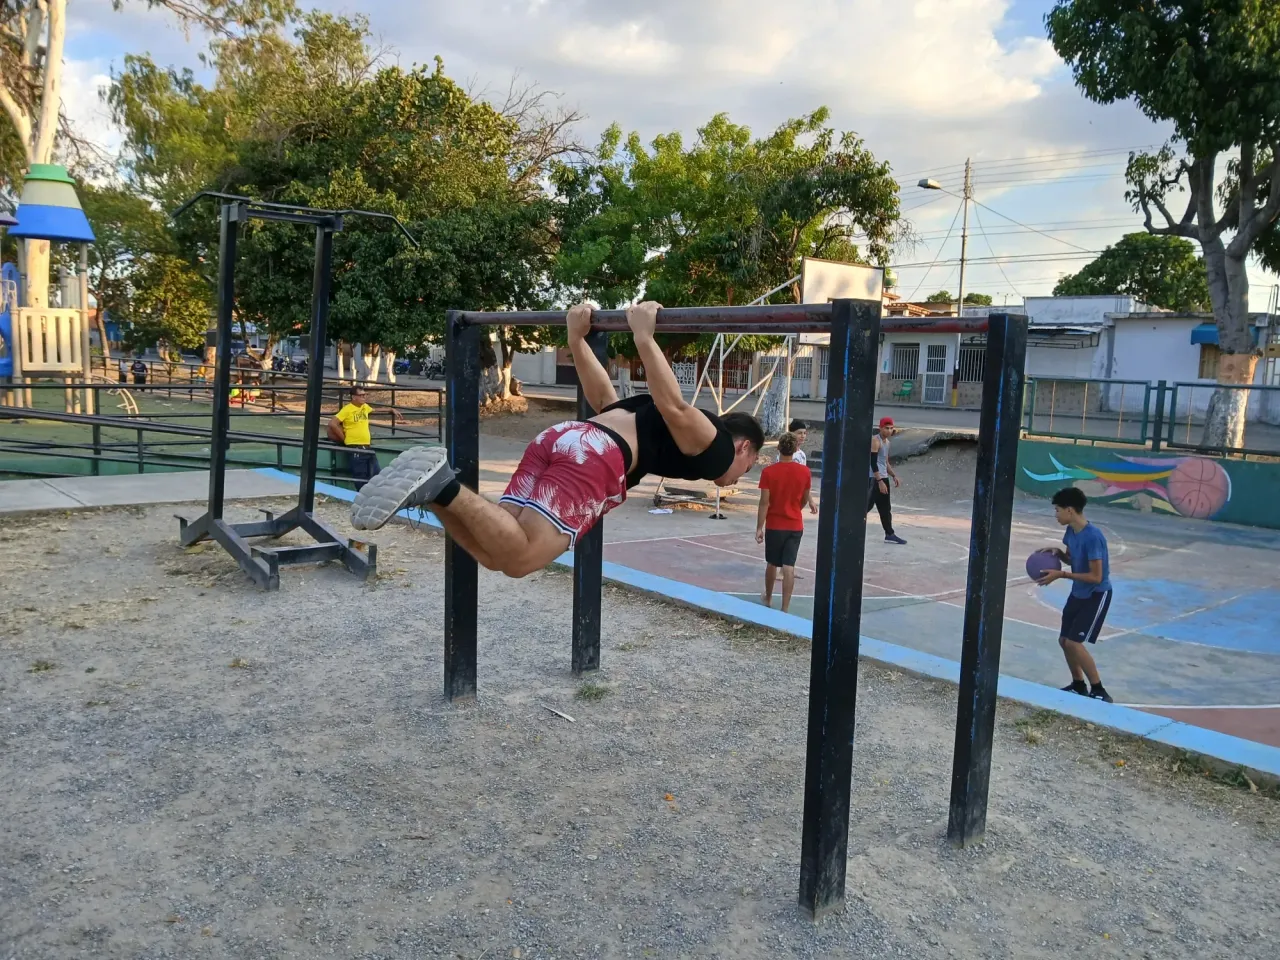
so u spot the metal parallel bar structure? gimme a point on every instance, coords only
(855, 329)
(262, 564)
(837, 611)
(588, 554)
(990, 530)
(461, 573)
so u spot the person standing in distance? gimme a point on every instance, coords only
(881, 473)
(800, 430)
(350, 427)
(1090, 575)
(785, 487)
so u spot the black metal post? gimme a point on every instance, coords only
(998, 433)
(588, 554)
(461, 575)
(837, 614)
(315, 370)
(230, 228)
(97, 445)
(1157, 434)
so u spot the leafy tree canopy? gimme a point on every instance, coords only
(946, 296)
(722, 220)
(1162, 271)
(318, 120)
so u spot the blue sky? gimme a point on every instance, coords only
(926, 83)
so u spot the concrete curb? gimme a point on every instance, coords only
(1259, 760)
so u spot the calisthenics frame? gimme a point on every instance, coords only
(855, 328)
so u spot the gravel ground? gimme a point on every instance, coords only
(195, 769)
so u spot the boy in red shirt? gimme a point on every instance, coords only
(784, 489)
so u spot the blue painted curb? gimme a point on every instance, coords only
(1234, 751)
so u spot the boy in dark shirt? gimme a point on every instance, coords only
(1090, 576)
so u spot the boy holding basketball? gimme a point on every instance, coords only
(785, 487)
(1090, 576)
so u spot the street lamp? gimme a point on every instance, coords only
(928, 184)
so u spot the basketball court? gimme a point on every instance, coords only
(1193, 633)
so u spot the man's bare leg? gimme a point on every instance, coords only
(770, 577)
(517, 543)
(462, 536)
(788, 587)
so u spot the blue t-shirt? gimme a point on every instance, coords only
(1087, 545)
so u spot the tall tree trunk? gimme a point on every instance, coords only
(374, 364)
(340, 358)
(36, 273)
(773, 411)
(389, 356)
(1224, 422)
(495, 368)
(101, 326)
(625, 387)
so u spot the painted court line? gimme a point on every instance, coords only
(1180, 616)
(1203, 706)
(1173, 733)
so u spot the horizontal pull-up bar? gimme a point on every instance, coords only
(813, 317)
(771, 319)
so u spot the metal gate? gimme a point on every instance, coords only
(686, 374)
(935, 374)
(802, 372)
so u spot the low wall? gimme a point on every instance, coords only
(1185, 485)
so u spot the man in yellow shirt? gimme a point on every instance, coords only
(351, 428)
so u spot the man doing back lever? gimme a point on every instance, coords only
(574, 473)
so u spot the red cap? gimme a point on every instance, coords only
(886, 421)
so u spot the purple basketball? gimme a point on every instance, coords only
(1038, 564)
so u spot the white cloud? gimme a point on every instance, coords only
(82, 84)
(926, 83)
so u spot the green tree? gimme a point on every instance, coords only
(34, 129)
(723, 220)
(1212, 70)
(170, 303)
(1163, 271)
(316, 119)
(129, 231)
(946, 296)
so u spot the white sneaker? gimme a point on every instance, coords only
(413, 479)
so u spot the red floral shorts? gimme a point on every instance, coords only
(573, 474)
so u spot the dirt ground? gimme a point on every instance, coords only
(196, 769)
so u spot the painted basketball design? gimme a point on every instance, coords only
(1198, 488)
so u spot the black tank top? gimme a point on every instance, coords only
(658, 453)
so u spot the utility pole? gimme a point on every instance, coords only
(964, 233)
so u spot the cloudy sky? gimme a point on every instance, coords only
(926, 83)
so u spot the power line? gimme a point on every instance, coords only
(941, 247)
(1037, 159)
(934, 234)
(1033, 229)
(1012, 258)
(978, 219)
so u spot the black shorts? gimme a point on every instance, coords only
(781, 547)
(1082, 617)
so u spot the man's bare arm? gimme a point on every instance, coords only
(596, 385)
(692, 431)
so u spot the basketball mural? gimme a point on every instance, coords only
(1197, 487)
